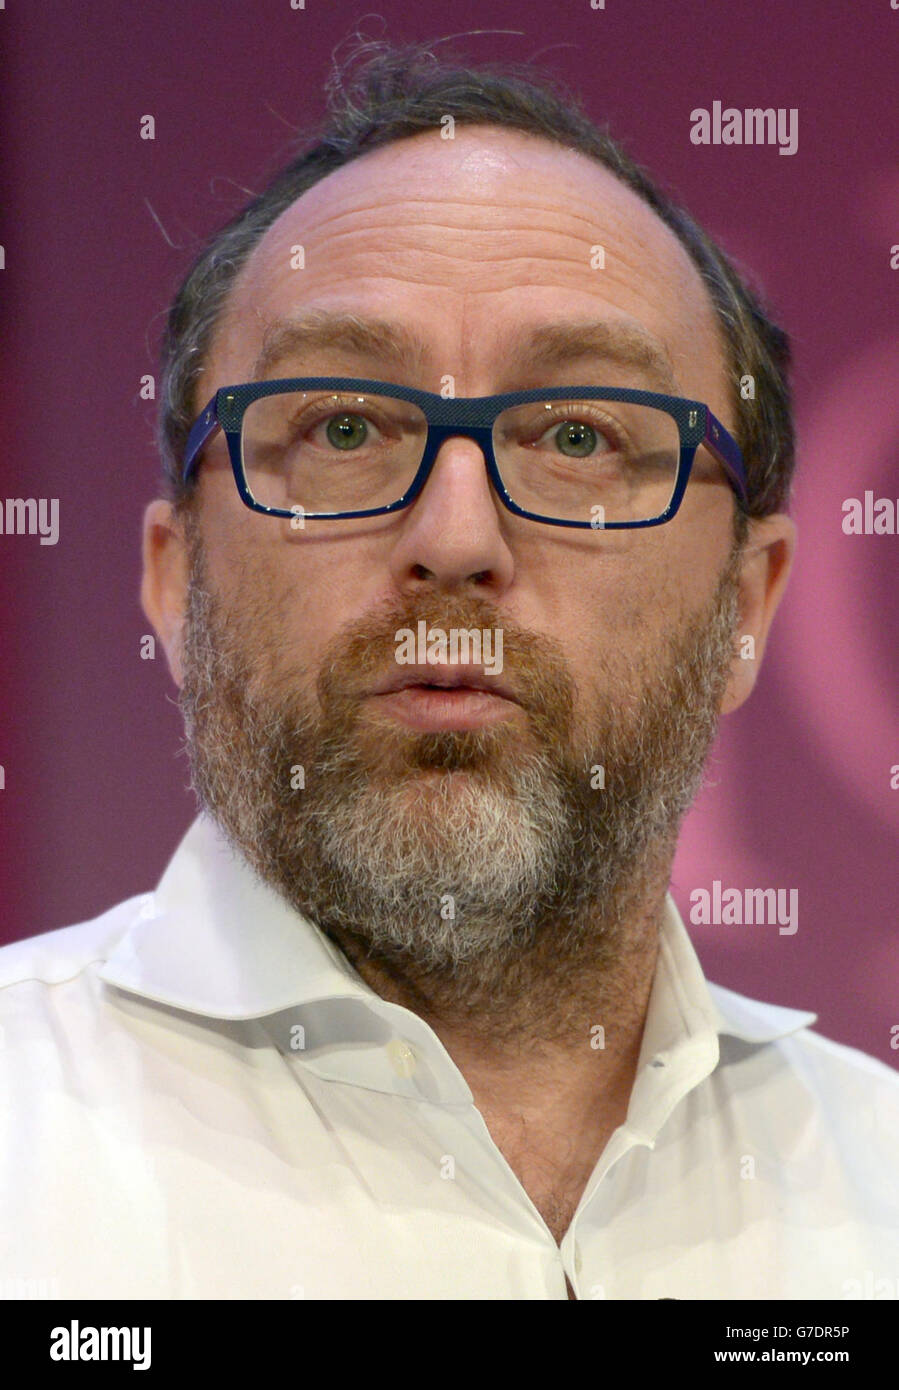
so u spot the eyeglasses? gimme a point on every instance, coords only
(331, 448)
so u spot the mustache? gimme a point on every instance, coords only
(364, 652)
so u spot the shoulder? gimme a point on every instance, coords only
(799, 1077)
(846, 1074)
(54, 957)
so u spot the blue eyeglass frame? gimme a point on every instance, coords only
(472, 417)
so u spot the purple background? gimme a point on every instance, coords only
(96, 793)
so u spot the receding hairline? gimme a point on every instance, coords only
(675, 247)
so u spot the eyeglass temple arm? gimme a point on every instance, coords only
(724, 447)
(204, 428)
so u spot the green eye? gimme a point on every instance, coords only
(580, 437)
(347, 431)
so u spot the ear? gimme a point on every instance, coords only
(765, 569)
(164, 586)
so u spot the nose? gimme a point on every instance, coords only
(454, 533)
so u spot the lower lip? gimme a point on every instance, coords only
(461, 708)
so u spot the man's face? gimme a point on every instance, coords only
(618, 644)
(472, 242)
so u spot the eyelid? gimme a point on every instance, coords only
(559, 411)
(318, 412)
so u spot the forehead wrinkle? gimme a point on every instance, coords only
(635, 261)
(355, 218)
(438, 213)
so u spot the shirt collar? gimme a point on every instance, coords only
(215, 940)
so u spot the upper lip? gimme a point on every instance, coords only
(446, 675)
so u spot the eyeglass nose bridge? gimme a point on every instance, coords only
(438, 434)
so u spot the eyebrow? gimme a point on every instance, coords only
(397, 345)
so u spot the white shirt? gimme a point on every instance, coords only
(166, 1134)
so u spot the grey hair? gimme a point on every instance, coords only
(398, 91)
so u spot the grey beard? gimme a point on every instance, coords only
(453, 855)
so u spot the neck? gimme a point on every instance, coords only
(573, 993)
(549, 1053)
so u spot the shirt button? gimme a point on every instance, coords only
(402, 1058)
(578, 1258)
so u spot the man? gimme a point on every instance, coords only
(411, 1013)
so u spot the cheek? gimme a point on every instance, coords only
(630, 587)
(624, 619)
(224, 530)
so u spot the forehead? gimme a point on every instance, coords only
(472, 237)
